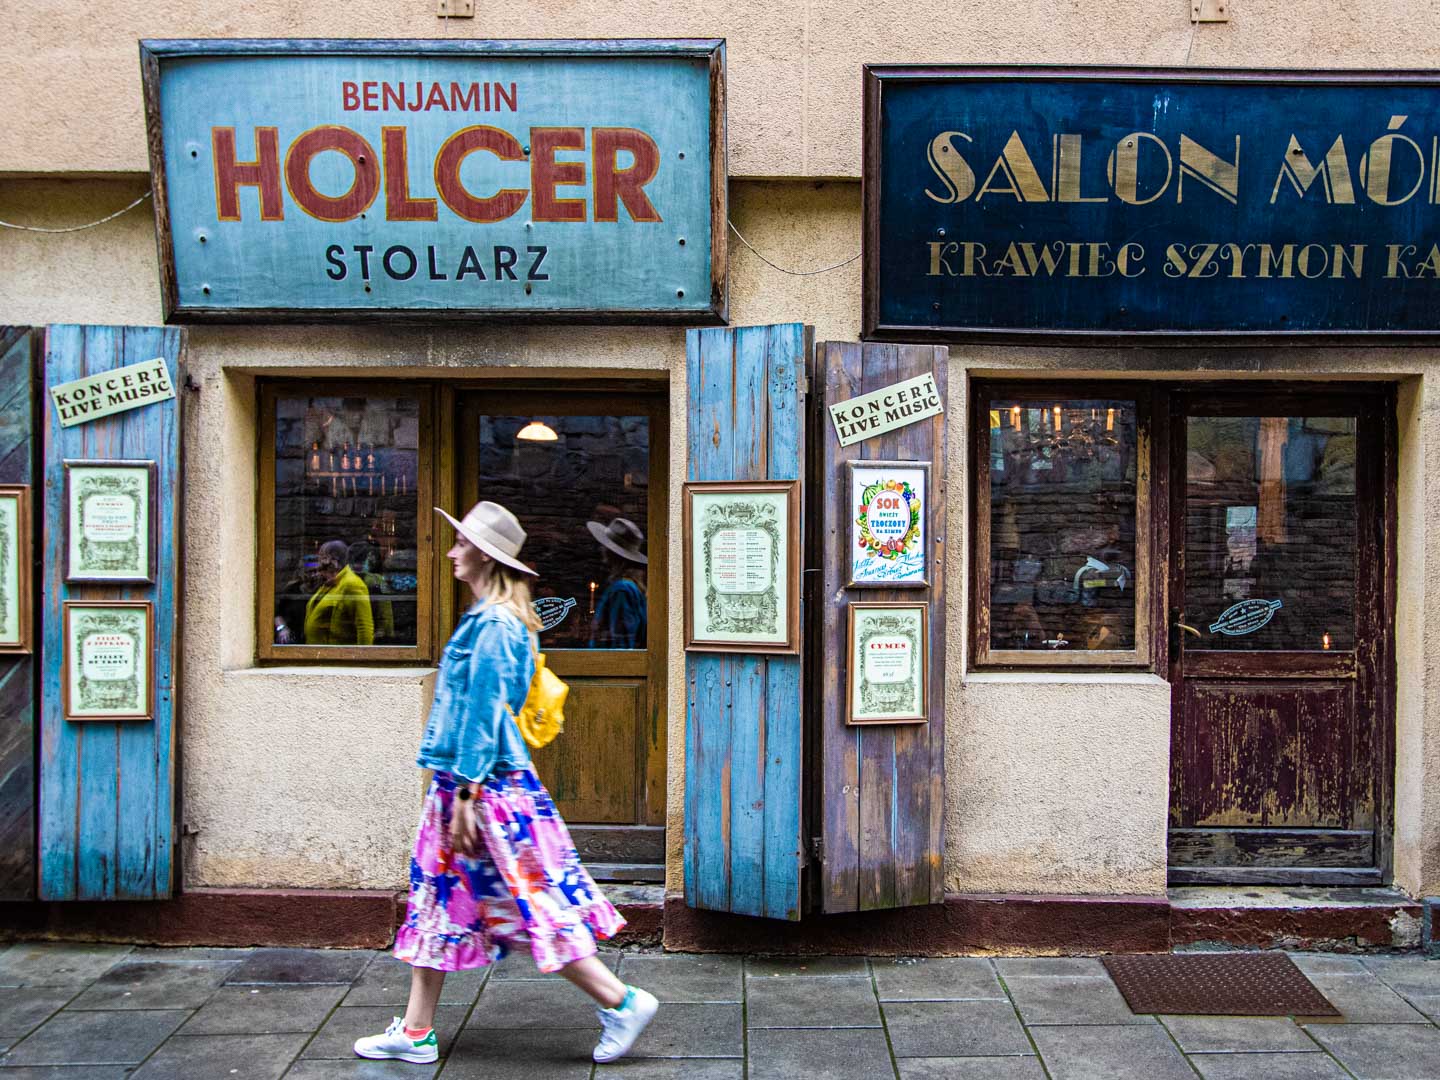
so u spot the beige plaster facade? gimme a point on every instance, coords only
(1055, 783)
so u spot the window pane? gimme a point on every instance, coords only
(345, 506)
(580, 486)
(1062, 524)
(1270, 519)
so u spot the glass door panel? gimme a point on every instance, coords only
(1270, 533)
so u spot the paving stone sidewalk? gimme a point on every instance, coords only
(101, 1012)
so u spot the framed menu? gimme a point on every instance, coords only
(742, 566)
(889, 525)
(15, 569)
(888, 673)
(110, 522)
(107, 672)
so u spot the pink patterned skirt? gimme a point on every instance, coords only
(528, 889)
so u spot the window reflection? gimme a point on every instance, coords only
(583, 498)
(1062, 524)
(1270, 532)
(345, 506)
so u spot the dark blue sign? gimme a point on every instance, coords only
(1024, 202)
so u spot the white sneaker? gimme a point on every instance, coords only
(622, 1025)
(396, 1045)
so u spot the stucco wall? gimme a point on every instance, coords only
(794, 69)
(301, 777)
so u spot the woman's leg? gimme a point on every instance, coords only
(594, 978)
(425, 986)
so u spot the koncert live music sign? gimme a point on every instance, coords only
(1100, 204)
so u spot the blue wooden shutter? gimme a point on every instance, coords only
(107, 790)
(18, 348)
(743, 717)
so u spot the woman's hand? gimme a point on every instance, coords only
(464, 833)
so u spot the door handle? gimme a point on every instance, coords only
(1188, 629)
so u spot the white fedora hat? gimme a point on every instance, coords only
(495, 531)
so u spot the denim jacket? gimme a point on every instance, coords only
(487, 664)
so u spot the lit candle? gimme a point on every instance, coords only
(1109, 419)
(1015, 417)
(592, 598)
(1057, 419)
(1325, 640)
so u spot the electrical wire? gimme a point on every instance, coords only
(131, 206)
(76, 228)
(792, 273)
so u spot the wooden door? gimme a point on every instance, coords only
(746, 389)
(107, 787)
(571, 465)
(19, 347)
(880, 799)
(1281, 611)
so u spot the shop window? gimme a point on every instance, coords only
(344, 523)
(580, 484)
(1062, 527)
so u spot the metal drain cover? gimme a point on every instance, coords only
(1217, 984)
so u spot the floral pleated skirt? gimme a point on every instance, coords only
(527, 890)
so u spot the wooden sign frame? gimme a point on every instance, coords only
(790, 544)
(847, 553)
(191, 299)
(149, 537)
(24, 564)
(68, 659)
(851, 668)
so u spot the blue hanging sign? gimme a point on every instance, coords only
(1012, 203)
(562, 181)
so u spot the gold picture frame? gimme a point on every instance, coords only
(887, 662)
(16, 570)
(742, 566)
(117, 547)
(108, 642)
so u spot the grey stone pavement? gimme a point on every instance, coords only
(106, 1012)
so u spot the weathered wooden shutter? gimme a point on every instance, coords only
(18, 348)
(882, 787)
(743, 717)
(107, 789)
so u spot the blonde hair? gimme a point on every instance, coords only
(511, 590)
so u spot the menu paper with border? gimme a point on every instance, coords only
(888, 668)
(110, 521)
(889, 533)
(742, 587)
(108, 673)
(15, 611)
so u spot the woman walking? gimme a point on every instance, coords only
(494, 867)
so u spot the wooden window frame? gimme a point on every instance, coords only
(1149, 558)
(270, 391)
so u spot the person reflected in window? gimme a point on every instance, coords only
(363, 558)
(620, 612)
(339, 612)
(291, 599)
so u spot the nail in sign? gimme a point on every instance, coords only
(886, 409)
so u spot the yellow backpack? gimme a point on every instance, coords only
(542, 716)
